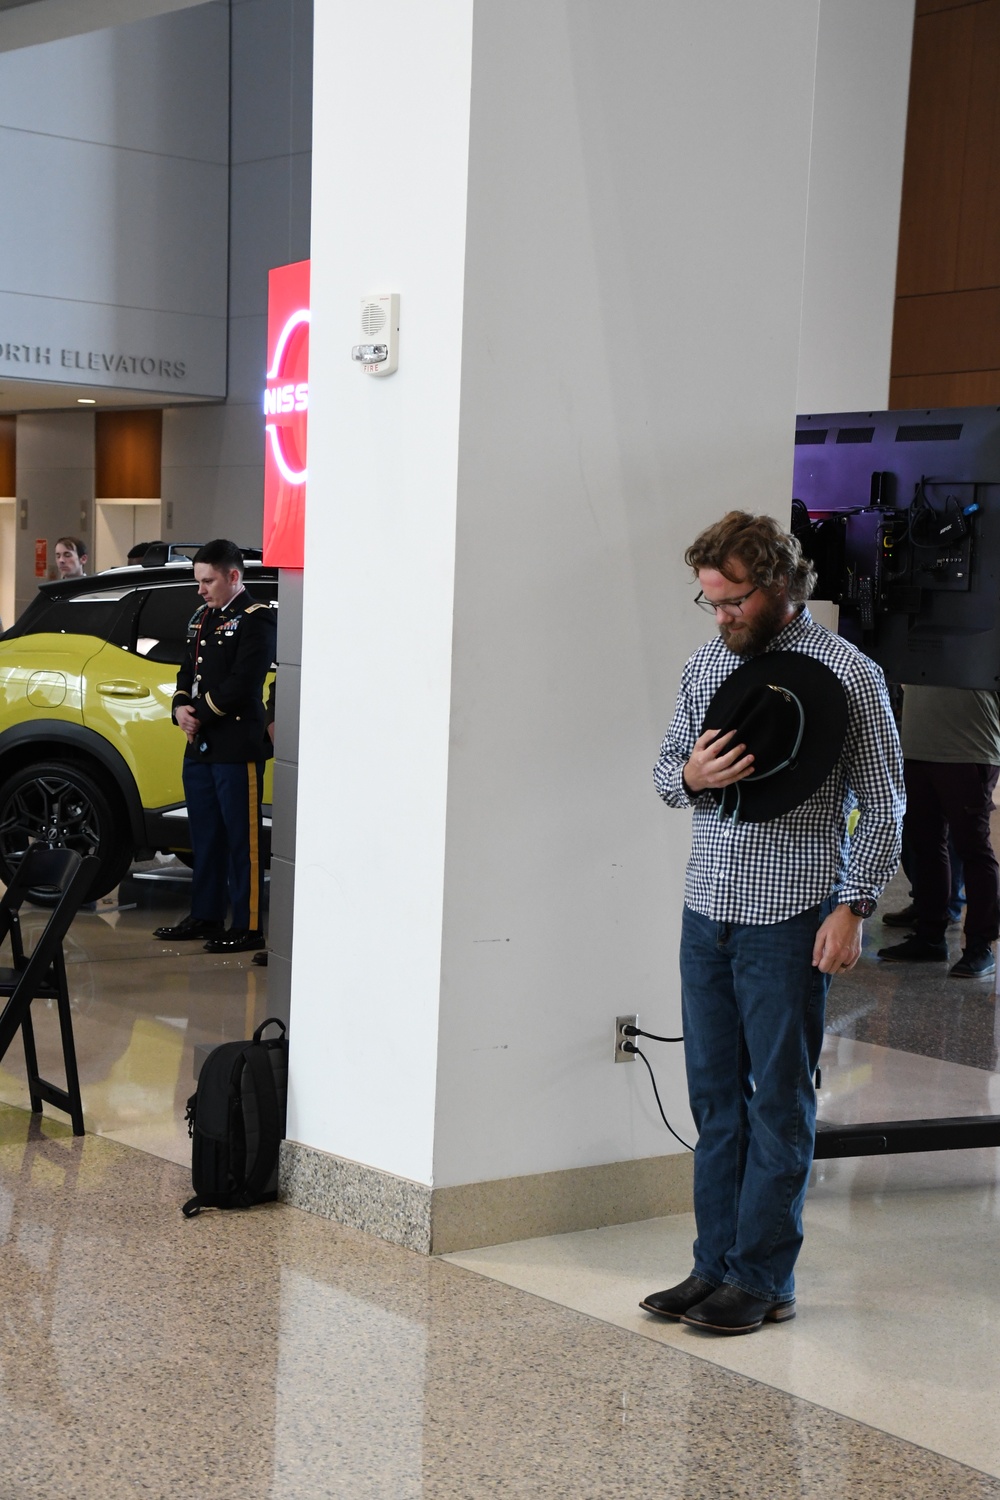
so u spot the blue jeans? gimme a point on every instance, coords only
(753, 1010)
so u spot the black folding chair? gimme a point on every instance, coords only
(41, 975)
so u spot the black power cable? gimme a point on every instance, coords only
(627, 1046)
(637, 1031)
(631, 1047)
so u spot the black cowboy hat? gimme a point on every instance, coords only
(791, 713)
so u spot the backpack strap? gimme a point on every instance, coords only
(191, 1208)
(269, 1124)
(271, 1021)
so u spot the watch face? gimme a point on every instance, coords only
(863, 907)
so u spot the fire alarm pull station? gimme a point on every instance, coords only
(379, 354)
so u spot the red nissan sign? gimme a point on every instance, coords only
(286, 413)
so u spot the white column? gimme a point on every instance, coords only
(390, 171)
(595, 216)
(855, 185)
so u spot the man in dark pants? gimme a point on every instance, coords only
(260, 959)
(219, 706)
(951, 745)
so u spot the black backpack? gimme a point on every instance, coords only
(236, 1120)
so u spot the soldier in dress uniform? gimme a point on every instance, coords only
(219, 706)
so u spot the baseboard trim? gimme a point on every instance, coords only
(393, 1208)
(435, 1221)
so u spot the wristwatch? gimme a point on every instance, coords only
(864, 906)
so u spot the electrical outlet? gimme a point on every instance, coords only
(620, 1022)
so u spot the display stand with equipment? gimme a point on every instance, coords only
(899, 511)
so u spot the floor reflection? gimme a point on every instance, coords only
(143, 1012)
(272, 1354)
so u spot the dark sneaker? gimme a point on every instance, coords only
(914, 950)
(189, 929)
(677, 1300)
(236, 940)
(975, 963)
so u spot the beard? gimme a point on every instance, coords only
(751, 637)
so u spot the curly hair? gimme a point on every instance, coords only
(770, 556)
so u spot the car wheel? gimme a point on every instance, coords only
(62, 806)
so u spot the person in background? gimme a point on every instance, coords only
(71, 556)
(951, 749)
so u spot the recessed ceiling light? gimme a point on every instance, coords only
(86, 401)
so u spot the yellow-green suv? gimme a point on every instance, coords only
(89, 756)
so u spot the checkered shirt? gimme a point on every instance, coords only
(760, 873)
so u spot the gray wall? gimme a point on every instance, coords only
(29, 22)
(113, 167)
(213, 456)
(55, 487)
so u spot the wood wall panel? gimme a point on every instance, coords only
(978, 262)
(8, 456)
(953, 331)
(946, 338)
(928, 7)
(926, 392)
(930, 211)
(127, 456)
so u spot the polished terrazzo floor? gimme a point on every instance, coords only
(272, 1354)
(275, 1354)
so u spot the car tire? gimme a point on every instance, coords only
(63, 805)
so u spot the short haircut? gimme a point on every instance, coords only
(770, 556)
(139, 550)
(80, 548)
(222, 555)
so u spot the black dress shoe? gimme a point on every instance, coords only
(908, 918)
(236, 940)
(731, 1310)
(676, 1300)
(905, 918)
(916, 950)
(259, 960)
(190, 928)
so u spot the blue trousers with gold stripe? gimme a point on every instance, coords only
(223, 802)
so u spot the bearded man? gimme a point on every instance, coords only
(781, 729)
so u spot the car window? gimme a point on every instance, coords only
(105, 616)
(161, 630)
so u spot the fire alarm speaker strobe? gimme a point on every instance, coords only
(378, 353)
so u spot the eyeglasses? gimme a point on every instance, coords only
(728, 606)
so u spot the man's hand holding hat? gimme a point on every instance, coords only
(714, 764)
